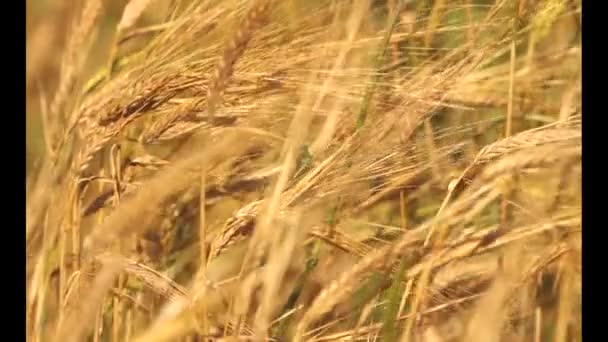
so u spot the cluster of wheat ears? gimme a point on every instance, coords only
(309, 170)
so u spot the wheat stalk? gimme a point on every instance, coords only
(255, 19)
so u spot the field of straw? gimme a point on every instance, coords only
(303, 170)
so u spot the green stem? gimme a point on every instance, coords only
(380, 60)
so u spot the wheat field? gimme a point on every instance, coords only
(303, 170)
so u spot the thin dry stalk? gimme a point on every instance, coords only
(421, 288)
(203, 244)
(509, 119)
(566, 305)
(509, 123)
(538, 323)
